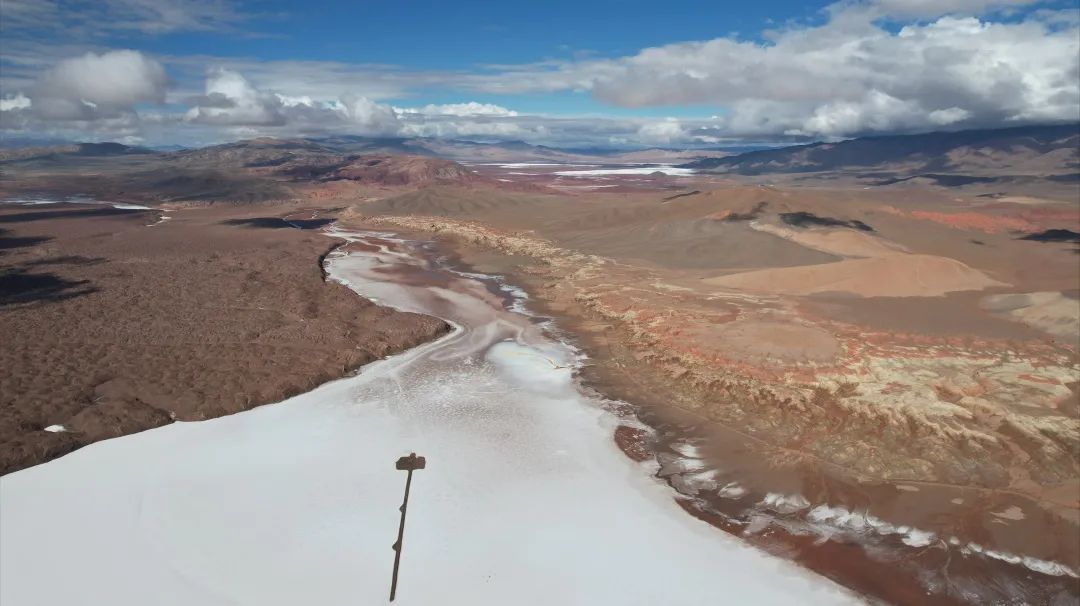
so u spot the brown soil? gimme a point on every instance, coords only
(898, 275)
(111, 326)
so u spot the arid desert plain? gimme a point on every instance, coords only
(849, 387)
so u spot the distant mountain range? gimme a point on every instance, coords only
(452, 149)
(945, 158)
(990, 153)
(70, 149)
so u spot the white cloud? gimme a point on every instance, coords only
(317, 79)
(472, 108)
(949, 116)
(874, 112)
(288, 101)
(231, 100)
(848, 75)
(663, 132)
(95, 86)
(871, 66)
(420, 126)
(371, 117)
(14, 102)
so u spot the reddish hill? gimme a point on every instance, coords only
(387, 169)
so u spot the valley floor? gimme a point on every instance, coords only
(525, 498)
(880, 386)
(916, 371)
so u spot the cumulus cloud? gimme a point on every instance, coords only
(231, 100)
(234, 102)
(664, 132)
(849, 75)
(416, 125)
(472, 108)
(14, 102)
(869, 66)
(369, 116)
(95, 86)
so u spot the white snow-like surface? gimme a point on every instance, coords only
(55, 428)
(530, 164)
(126, 206)
(525, 499)
(636, 170)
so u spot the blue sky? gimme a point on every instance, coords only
(462, 35)
(625, 73)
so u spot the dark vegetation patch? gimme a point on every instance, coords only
(1054, 235)
(958, 180)
(748, 216)
(322, 260)
(18, 286)
(76, 213)
(8, 242)
(278, 223)
(259, 222)
(689, 193)
(309, 223)
(269, 162)
(206, 185)
(942, 180)
(310, 172)
(67, 260)
(1067, 178)
(804, 219)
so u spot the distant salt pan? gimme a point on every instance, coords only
(637, 170)
(75, 200)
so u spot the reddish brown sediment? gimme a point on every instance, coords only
(983, 222)
(633, 441)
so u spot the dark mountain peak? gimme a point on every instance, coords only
(109, 149)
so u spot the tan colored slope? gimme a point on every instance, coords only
(840, 242)
(897, 275)
(1050, 312)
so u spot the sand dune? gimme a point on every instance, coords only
(840, 242)
(888, 276)
(1050, 312)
